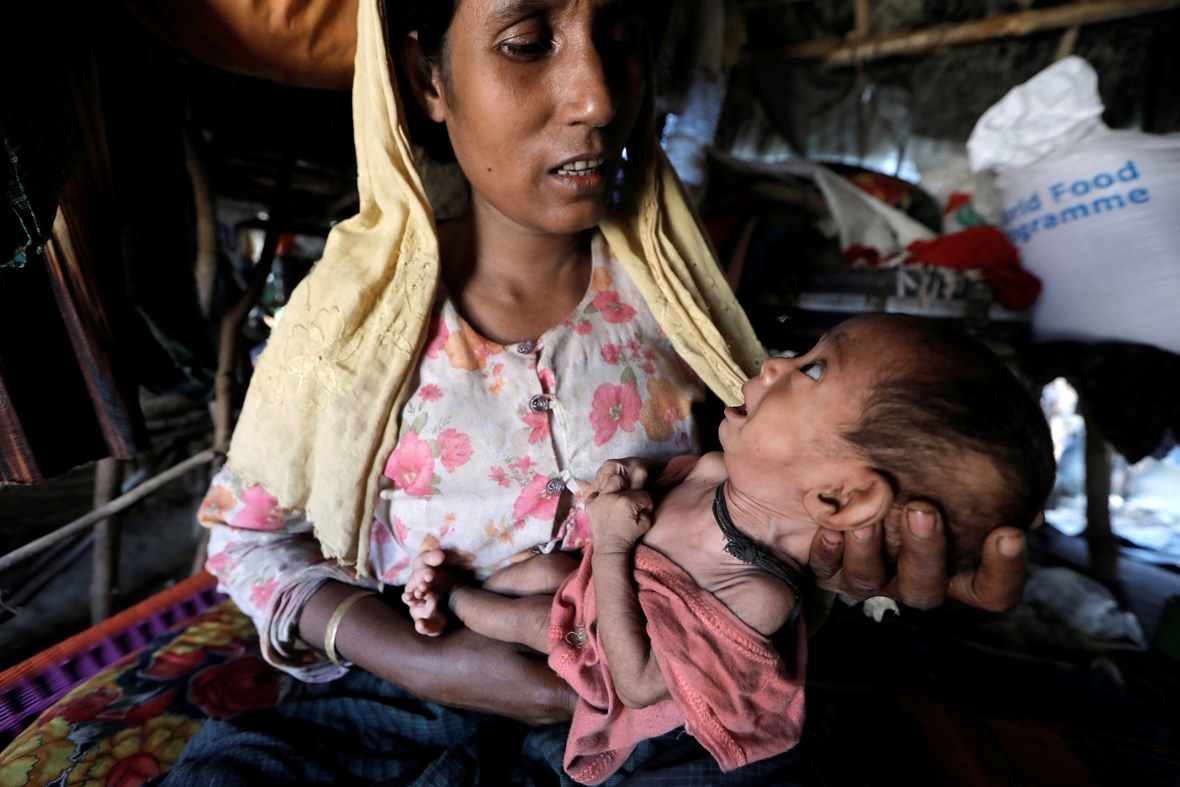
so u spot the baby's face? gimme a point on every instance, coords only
(796, 408)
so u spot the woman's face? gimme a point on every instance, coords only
(539, 98)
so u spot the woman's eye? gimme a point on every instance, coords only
(526, 50)
(812, 370)
(527, 47)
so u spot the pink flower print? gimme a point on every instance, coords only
(454, 449)
(648, 367)
(216, 564)
(384, 533)
(438, 338)
(584, 328)
(578, 534)
(399, 530)
(536, 500)
(411, 466)
(430, 393)
(615, 407)
(392, 575)
(259, 511)
(665, 407)
(610, 353)
(379, 533)
(601, 279)
(523, 465)
(260, 595)
(539, 423)
(547, 381)
(448, 525)
(500, 476)
(469, 351)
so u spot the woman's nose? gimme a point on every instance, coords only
(588, 96)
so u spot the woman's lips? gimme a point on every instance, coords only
(581, 168)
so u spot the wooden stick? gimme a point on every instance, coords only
(1069, 40)
(233, 319)
(839, 52)
(108, 510)
(205, 268)
(864, 21)
(104, 575)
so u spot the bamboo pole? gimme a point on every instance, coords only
(1069, 40)
(104, 576)
(864, 20)
(205, 268)
(108, 510)
(842, 52)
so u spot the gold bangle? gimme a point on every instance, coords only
(334, 624)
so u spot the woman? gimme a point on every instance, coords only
(574, 321)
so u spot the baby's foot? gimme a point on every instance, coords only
(426, 591)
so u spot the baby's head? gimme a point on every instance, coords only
(886, 409)
(950, 423)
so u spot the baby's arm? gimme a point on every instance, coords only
(620, 513)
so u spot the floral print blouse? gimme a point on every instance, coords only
(498, 447)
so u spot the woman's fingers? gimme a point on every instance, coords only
(921, 565)
(827, 558)
(999, 581)
(850, 563)
(864, 562)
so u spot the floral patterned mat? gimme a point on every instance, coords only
(129, 723)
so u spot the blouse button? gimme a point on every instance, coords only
(540, 403)
(555, 486)
(526, 347)
(578, 637)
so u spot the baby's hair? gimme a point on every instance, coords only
(940, 417)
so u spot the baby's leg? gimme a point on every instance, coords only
(427, 590)
(538, 574)
(523, 620)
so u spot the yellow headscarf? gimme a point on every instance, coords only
(321, 414)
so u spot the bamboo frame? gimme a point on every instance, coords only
(844, 52)
(108, 510)
(104, 575)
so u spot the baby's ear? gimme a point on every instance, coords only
(861, 497)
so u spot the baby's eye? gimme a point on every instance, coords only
(812, 370)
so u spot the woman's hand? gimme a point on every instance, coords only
(460, 669)
(853, 564)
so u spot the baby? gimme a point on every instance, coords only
(680, 598)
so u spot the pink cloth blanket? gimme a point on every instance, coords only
(730, 688)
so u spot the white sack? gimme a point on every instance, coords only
(1094, 212)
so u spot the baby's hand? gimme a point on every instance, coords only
(422, 592)
(619, 511)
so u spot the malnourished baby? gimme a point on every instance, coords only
(667, 619)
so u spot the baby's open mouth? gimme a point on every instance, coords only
(740, 409)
